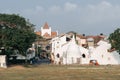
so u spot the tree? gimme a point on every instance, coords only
(15, 33)
(114, 39)
(13, 19)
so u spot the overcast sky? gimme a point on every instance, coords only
(82, 16)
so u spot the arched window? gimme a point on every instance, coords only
(83, 55)
(58, 55)
(48, 47)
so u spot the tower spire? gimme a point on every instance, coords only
(46, 26)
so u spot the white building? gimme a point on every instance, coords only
(103, 57)
(46, 32)
(71, 53)
(57, 44)
(68, 52)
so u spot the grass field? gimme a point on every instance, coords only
(60, 72)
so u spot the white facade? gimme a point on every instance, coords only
(3, 61)
(85, 59)
(81, 41)
(57, 44)
(43, 31)
(70, 52)
(102, 55)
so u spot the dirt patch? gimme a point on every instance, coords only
(2, 69)
(16, 67)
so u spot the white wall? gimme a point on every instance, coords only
(57, 44)
(100, 53)
(81, 41)
(86, 59)
(104, 57)
(43, 31)
(3, 61)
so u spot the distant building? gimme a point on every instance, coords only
(93, 40)
(103, 56)
(46, 32)
(67, 50)
(90, 42)
(80, 39)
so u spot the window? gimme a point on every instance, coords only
(83, 55)
(67, 39)
(48, 47)
(58, 56)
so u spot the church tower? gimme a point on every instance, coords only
(46, 32)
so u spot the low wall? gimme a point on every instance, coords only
(3, 61)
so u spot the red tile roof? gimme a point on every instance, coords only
(53, 34)
(96, 38)
(81, 36)
(38, 33)
(46, 35)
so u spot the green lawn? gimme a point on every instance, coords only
(59, 72)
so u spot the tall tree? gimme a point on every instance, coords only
(15, 33)
(13, 19)
(114, 39)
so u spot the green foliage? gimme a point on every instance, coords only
(20, 37)
(13, 19)
(114, 39)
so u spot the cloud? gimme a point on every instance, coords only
(102, 12)
(39, 9)
(105, 4)
(55, 10)
(67, 7)
(70, 6)
(33, 11)
(77, 17)
(51, 10)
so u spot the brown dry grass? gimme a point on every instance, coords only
(60, 72)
